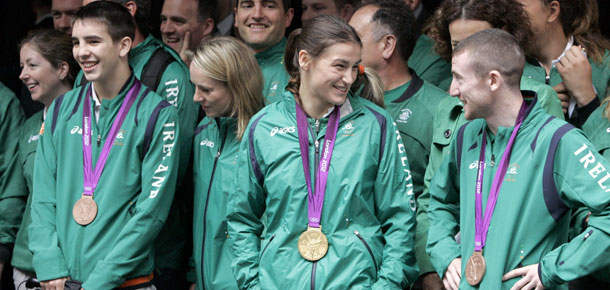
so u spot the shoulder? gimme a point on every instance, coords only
(206, 125)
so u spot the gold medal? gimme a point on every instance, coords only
(313, 244)
(85, 210)
(475, 268)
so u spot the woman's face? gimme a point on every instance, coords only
(330, 75)
(213, 95)
(40, 77)
(460, 29)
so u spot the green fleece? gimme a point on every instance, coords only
(369, 208)
(133, 195)
(11, 119)
(176, 88)
(215, 151)
(275, 76)
(538, 186)
(429, 65)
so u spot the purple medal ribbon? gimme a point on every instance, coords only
(91, 177)
(482, 222)
(315, 202)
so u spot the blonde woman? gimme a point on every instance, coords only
(228, 85)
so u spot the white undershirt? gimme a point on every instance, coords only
(97, 103)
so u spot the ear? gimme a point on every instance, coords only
(125, 46)
(554, 9)
(132, 7)
(495, 80)
(346, 12)
(389, 46)
(62, 69)
(208, 27)
(304, 59)
(289, 15)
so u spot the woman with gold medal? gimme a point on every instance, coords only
(324, 198)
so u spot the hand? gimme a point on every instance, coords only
(431, 281)
(575, 70)
(529, 278)
(453, 275)
(563, 95)
(192, 287)
(57, 284)
(185, 53)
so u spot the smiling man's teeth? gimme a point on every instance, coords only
(89, 64)
(257, 26)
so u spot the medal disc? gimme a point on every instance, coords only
(85, 210)
(313, 244)
(475, 268)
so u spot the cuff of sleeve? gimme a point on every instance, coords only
(49, 264)
(191, 277)
(5, 252)
(545, 273)
(583, 113)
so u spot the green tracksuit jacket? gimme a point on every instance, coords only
(11, 119)
(275, 76)
(18, 193)
(133, 195)
(601, 74)
(412, 106)
(429, 65)
(551, 166)
(215, 150)
(369, 208)
(176, 88)
(449, 117)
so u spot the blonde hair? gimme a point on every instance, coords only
(228, 60)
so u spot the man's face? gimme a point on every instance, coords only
(94, 50)
(471, 89)
(313, 8)
(371, 49)
(262, 23)
(179, 17)
(63, 11)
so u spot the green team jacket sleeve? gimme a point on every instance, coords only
(48, 259)
(11, 201)
(396, 207)
(152, 207)
(244, 225)
(443, 213)
(582, 180)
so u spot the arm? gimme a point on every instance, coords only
(580, 186)
(395, 209)
(244, 211)
(443, 213)
(48, 259)
(130, 248)
(176, 88)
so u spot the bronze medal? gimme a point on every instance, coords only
(313, 244)
(475, 268)
(85, 210)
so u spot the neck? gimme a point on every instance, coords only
(139, 38)
(61, 89)
(394, 75)
(111, 87)
(506, 110)
(552, 46)
(312, 105)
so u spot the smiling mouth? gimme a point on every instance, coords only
(89, 65)
(342, 89)
(31, 86)
(172, 40)
(257, 26)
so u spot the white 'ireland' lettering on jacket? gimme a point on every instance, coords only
(169, 133)
(172, 92)
(405, 164)
(596, 171)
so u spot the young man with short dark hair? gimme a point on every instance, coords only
(96, 214)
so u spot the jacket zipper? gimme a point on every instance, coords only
(267, 245)
(207, 199)
(367, 248)
(317, 147)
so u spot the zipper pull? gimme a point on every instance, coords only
(317, 143)
(99, 139)
(493, 160)
(547, 79)
(317, 126)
